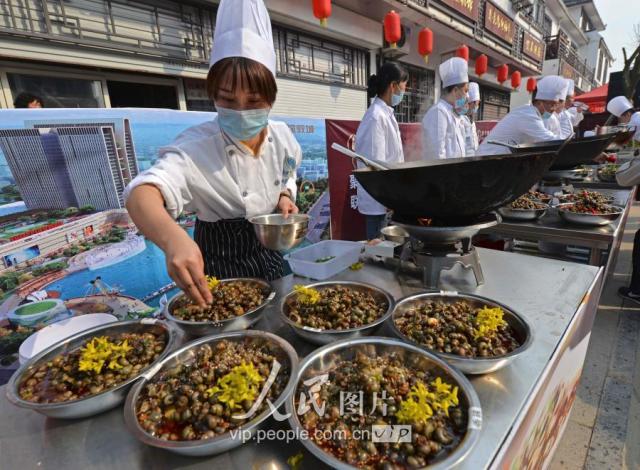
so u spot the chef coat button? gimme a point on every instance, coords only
(232, 153)
(270, 139)
(277, 182)
(245, 194)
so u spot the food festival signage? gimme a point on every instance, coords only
(468, 8)
(499, 23)
(532, 47)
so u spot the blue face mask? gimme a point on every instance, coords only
(546, 115)
(461, 106)
(396, 99)
(243, 125)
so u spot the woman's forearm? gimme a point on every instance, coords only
(146, 208)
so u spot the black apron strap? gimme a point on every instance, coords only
(231, 249)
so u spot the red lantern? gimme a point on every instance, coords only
(392, 28)
(425, 43)
(503, 73)
(516, 78)
(482, 63)
(322, 10)
(532, 83)
(463, 52)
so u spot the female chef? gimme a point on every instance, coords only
(442, 132)
(227, 170)
(468, 120)
(378, 135)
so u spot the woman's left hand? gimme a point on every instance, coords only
(286, 206)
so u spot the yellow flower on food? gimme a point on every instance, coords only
(241, 384)
(212, 282)
(423, 401)
(488, 321)
(100, 351)
(307, 295)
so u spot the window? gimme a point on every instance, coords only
(58, 92)
(585, 23)
(196, 95)
(306, 57)
(547, 25)
(494, 104)
(419, 95)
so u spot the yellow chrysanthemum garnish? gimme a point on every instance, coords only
(212, 282)
(100, 351)
(488, 321)
(241, 384)
(422, 401)
(307, 295)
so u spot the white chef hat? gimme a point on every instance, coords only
(619, 105)
(572, 87)
(474, 92)
(454, 71)
(243, 29)
(551, 88)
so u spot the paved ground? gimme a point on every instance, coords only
(604, 426)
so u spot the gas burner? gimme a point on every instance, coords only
(439, 247)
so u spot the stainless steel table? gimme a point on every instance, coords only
(549, 293)
(551, 228)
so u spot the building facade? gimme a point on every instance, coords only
(112, 53)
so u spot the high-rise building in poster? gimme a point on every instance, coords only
(71, 163)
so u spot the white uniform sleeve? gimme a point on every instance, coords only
(535, 128)
(434, 126)
(291, 183)
(170, 174)
(635, 122)
(576, 117)
(371, 141)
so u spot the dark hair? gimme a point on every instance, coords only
(387, 74)
(23, 100)
(244, 73)
(450, 88)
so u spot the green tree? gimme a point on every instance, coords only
(88, 209)
(71, 211)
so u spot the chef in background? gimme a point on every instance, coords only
(442, 127)
(469, 120)
(378, 135)
(553, 123)
(622, 108)
(525, 124)
(572, 115)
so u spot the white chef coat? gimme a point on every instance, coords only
(378, 138)
(576, 117)
(442, 135)
(208, 172)
(566, 124)
(553, 125)
(470, 136)
(523, 125)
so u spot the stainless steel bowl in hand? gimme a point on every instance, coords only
(242, 322)
(283, 352)
(318, 336)
(103, 401)
(277, 233)
(468, 365)
(324, 360)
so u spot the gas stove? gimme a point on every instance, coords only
(433, 247)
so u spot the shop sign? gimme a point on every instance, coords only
(567, 71)
(468, 8)
(499, 23)
(532, 47)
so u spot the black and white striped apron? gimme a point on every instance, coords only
(231, 249)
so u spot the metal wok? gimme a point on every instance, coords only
(457, 189)
(573, 153)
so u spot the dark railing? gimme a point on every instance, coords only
(558, 48)
(171, 29)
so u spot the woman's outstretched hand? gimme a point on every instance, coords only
(186, 267)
